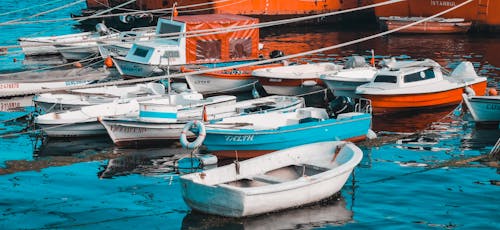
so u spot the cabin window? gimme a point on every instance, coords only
(386, 78)
(240, 48)
(141, 52)
(166, 28)
(419, 76)
(208, 49)
(171, 54)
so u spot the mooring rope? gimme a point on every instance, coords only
(205, 32)
(57, 66)
(251, 63)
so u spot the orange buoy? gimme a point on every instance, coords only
(108, 62)
(492, 92)
(78, 65)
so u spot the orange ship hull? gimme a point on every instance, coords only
(275, 7)
(404, 102)
(479, 11)
(430, 27)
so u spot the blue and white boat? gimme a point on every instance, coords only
(160, 120)
(483, 108)
(257, 134)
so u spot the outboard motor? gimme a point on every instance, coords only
(340, 104)
(102, 29)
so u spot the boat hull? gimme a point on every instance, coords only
(34, 48)
(484, 109)
(81, 129)
(210, 83)
(404, 102)
(290, 87)
(284, 179)
(136, 133)
(430, 27)
(233, 204)
(26, 88)
(250, 143)
(344, 88)
(78, 53)
(136, 70)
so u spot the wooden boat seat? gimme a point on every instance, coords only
(269, 179)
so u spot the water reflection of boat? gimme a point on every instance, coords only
(424, 141)
(480, 137)
(332, 212)
(410, 121)
(73, 147)
(149, 161)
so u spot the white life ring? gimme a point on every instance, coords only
(199, 139)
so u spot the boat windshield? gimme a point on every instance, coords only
(420, 76)
(385, 78)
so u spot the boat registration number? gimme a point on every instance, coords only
(9, 86)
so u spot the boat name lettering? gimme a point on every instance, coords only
(492, 107)
(136, 69)
(239, 138)
(74, 82)
(128, 129)
(202, 82)
(9, 86)
(6, 106)
(442, 3)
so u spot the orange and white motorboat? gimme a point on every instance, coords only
(294, 80)
(409, 85)
(433, 26)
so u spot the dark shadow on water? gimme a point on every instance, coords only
(330, 212)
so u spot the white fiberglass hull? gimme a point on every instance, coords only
(292, 90)
(208, 85)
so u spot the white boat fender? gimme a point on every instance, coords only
(199, 139)
(208, 159)
(469, 91)
(371, 134)
(309, 83)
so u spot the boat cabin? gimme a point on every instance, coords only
(408, 73)
(178, 42)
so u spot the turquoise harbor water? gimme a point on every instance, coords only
(411, 182)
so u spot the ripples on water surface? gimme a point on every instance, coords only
(407, 183)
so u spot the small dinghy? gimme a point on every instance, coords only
(280, 180)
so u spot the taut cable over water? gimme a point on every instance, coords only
(251, 63)
(205, 32)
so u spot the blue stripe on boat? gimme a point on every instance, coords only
(157, 114)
